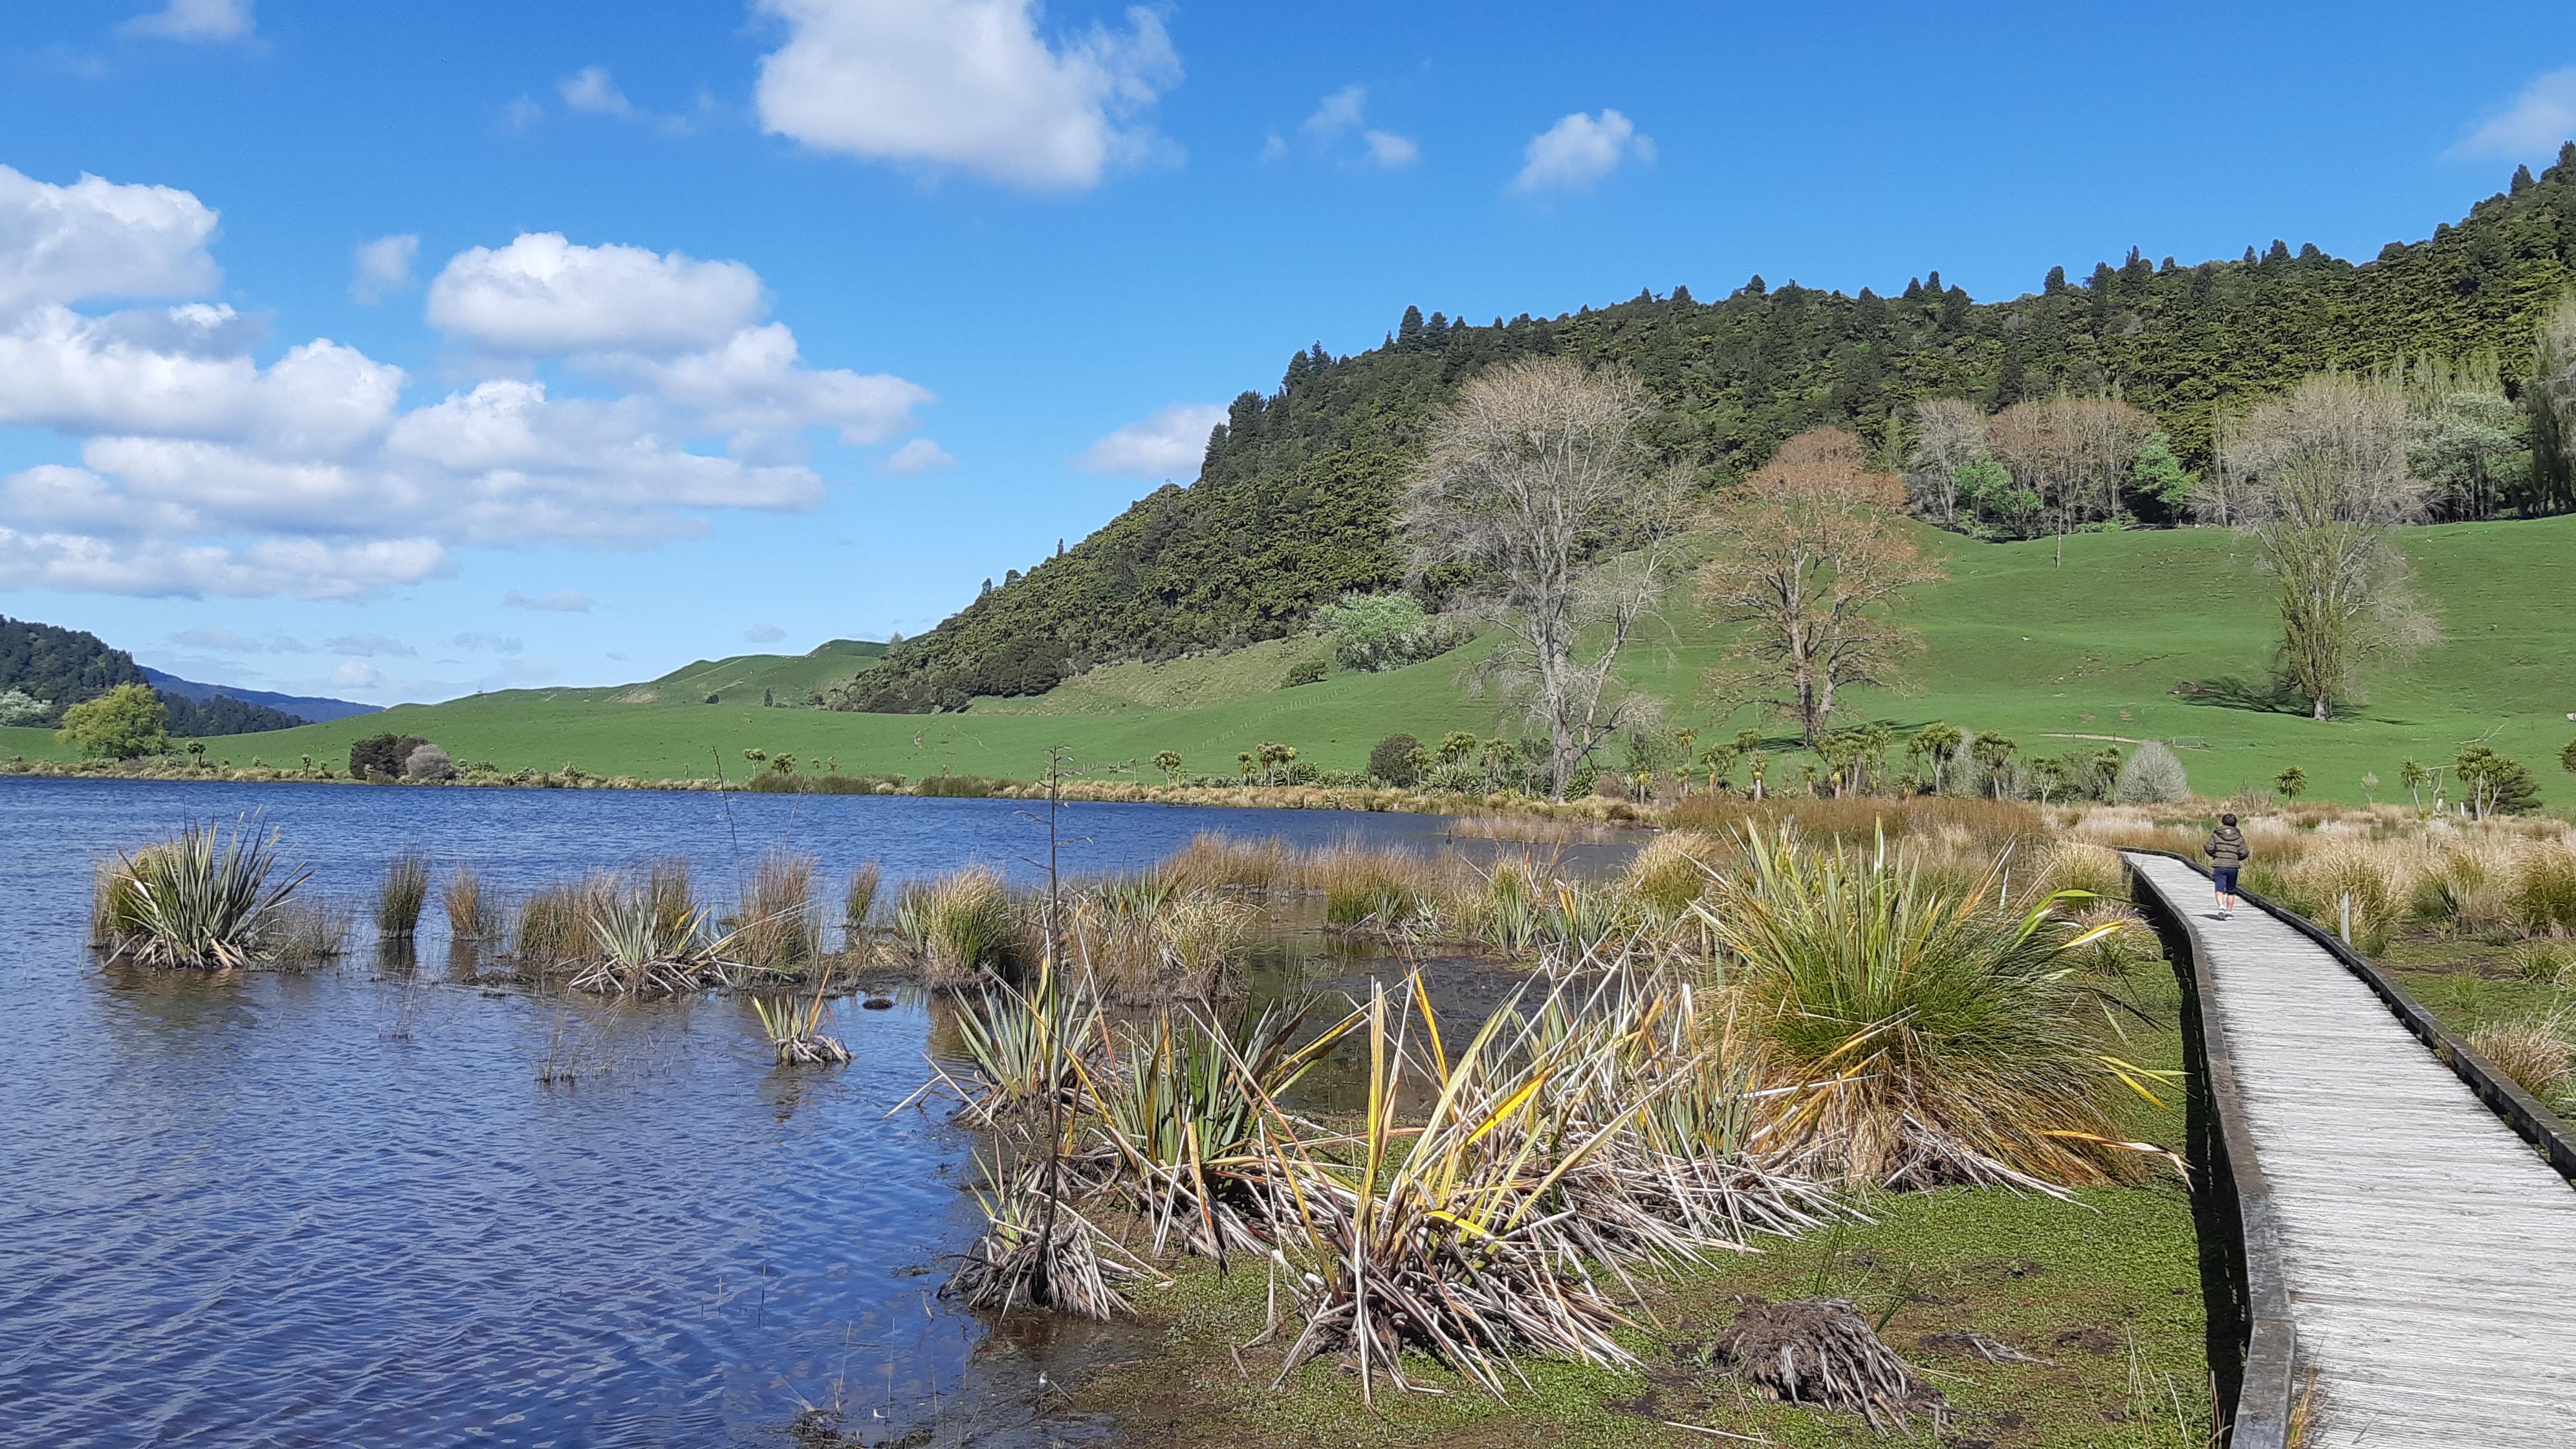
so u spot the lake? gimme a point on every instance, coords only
(338, 1207)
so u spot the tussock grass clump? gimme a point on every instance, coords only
(554, 921)
(403, 893)
(775, 928)
(1212, 861)
(201, 898)
(859, 903)
(2543, 897)
(1936, 1035)
(1385, 888)
(307, 933)
(1038, 1249)
(1673, 869)
(2535, 1051)
(472, 914)
(638, 946)
(956, 925)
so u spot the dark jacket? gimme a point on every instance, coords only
(2227, 846)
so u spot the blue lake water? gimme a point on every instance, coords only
(337, 1207)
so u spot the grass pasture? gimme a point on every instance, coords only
(2016, 644)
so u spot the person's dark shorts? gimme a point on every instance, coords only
(2225, 876)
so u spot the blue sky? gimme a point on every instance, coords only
(672, 331)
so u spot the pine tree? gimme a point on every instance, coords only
(2522, 181)
(2056, 280)
(1408, 333)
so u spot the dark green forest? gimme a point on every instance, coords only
(1292, 507)
(65, 666)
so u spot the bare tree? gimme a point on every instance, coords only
(2073, 452)
(1535, 476)
(1951, 434)
(2324, 477)
(1811, 554)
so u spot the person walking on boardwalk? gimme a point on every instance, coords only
(2227, 851)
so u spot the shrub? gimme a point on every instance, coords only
(1305, 671)
(2152, 775)
(381, 757)
(1391, 759)
(429, 762)
(1956, 1046)
(18, 707)
(1386, 631)
(2496, 785)
(125, 723)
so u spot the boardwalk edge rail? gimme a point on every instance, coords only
(2267, 1388)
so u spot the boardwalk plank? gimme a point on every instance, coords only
(2431, 1254)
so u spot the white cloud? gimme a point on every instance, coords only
(492, 643)
(95, 239)
(591, 90)
(966, 83)
(919, 456)
(1341, 118)
(1388, 149)
(383, 267)
(544, 296)
(763, 634)
(200, 20)
(521, 113)
(1274, 147)
(224, 639)
(562, 601)
(753, 382)
(369, 646)
(202, 471)
(2539, 121)
(1170, 444)
(1580, 150)
(302, 568)
(355, 674)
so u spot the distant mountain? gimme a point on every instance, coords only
(307, 709)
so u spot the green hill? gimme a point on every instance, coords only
(1292, 504)
(2016, 645)
(791, 678)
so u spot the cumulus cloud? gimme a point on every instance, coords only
(356, 674)
(383, 267)
(969, 84)
(561, 601)
(96, 238)
(308, 476)
(544, 296)
(591, 90)
(1340, 127)
(1579, 150)
(194, 20)
(763, 634)
(919, 456)
(1170, 444)
(2532, 128)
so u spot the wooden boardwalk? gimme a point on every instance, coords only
(2429, 1252)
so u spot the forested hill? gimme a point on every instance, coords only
(1292, 505)
(44, 667)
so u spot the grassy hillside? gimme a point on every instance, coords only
(2016, 645)
(792, 677)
